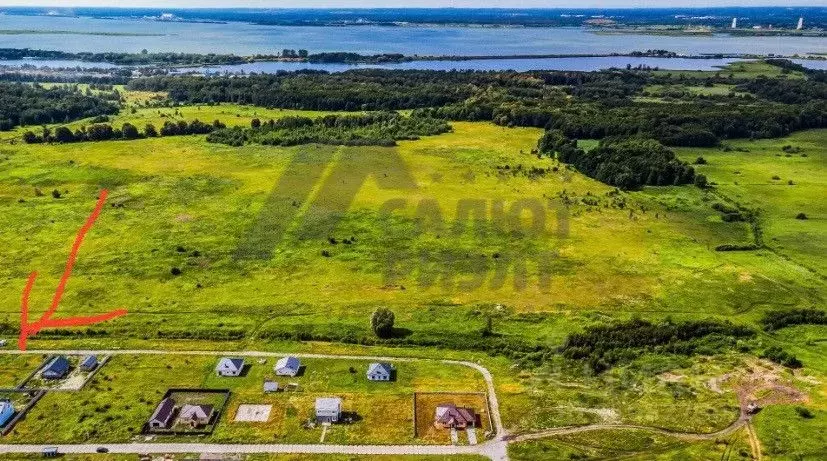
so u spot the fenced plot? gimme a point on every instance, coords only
(215, 399)
(425, 404)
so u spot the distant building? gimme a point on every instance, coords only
(800, 24)
(449, 416)
(328, 409)
(734, 23)
(162, 417)
(6, 412)
(270, 386)
(89, 363)
(380, 371)
(229, 367)
(58, 368)
(287, 366)
(196, 415)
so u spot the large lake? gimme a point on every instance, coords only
(246, 39)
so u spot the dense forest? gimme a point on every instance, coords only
(381, 129)
(22, 104)
(581, 104)
(627, 163)
(604, 346)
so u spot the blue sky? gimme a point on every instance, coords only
(414, 3)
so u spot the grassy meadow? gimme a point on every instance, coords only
(275, 244)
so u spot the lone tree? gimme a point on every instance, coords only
(381, 322)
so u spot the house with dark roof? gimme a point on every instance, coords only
(287, 366)
(196, 415)
(58, 368)
(229, 366)
(89, 363)
(380, 371)
(449, 416)
(162, 417)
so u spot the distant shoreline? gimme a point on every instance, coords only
(173, 60)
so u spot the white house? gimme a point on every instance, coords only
(380, 371)
(6, 412)
(229, 367)
(328, 409)
(287, 366)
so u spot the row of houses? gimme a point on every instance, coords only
(290, 366)
(58, 367)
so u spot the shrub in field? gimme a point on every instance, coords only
(381, 322)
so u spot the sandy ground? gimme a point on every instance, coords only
(253, 413)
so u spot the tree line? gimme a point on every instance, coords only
(22, 104)
(376, 128)
(128, 131)
(604, 346)
(778, 319)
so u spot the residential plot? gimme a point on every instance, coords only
(446, 417)
(123, 396)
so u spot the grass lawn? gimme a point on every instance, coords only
(760, 174)
(742, 69)
(15, 368)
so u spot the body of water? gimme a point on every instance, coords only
(247, 39)
(520, 65)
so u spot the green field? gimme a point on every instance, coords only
(277, 244)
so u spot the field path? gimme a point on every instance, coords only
(495, 449)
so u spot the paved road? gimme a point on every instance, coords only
(139, 448)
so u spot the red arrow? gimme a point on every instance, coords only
(29, 329)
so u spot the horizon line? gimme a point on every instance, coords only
(719, 7)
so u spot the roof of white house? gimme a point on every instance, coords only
(270, 386)
(380, 368)
(195, 411)
(327, 404)
(288, 362)
(231, 363)
(5, 405)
